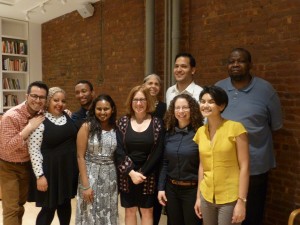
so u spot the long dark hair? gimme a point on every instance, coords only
(196, 117)
(94, 123)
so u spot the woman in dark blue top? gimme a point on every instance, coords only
(179, 175)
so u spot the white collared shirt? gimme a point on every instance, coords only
(192, 90)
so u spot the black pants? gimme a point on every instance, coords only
(156, 211)
(46, 214)
(256, 199)
(180, 205)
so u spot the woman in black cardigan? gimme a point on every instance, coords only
(139, 149)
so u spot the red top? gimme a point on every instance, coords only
(12, 146)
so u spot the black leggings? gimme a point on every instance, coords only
(46, 214)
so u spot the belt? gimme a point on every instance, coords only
(16, 163)
(183, 182)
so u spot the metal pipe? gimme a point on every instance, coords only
(166, 68)
(175, 32)
(149, 52)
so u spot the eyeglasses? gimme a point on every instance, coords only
(142, 100)
(36, 97)
(183, 108)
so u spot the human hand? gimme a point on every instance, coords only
(197, 208)
(68, 112)
(136, 177)
(42, 184)
(34, 122)
(88, 195)
(162, 199)
(239, 212)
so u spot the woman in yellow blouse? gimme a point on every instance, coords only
(224, 163)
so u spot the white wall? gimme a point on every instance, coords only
(35, 52)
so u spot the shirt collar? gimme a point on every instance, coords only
(248, 88)
(25, 110)
(190, 89)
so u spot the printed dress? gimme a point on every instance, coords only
(102, 176)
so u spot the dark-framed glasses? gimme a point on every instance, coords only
(183, 108)
(142, 100)
(36, 97)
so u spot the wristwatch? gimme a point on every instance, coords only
(243, 199)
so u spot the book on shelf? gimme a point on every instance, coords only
(22, 48)
(3, 47)
(5, 83)
(14, 47)
(9, 64)
(10, 100)
(11, 83)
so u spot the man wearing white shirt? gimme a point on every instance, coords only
(184, 70)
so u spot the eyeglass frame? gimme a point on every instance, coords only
(183, 108)
(36, 97)
(141, 100)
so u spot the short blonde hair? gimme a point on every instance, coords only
(150, 100)
(53, 91)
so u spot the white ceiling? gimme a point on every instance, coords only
(17, 9)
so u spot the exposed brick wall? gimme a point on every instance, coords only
(108, 49)
(270, 30)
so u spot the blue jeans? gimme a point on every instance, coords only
(180, 205)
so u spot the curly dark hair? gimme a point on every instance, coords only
(196, 117)
(94, 123)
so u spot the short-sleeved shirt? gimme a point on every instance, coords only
(219, 160)
(192, 90)
(258, 108)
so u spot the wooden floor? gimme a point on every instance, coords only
(31, 212)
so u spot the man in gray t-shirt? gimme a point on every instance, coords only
(253, 102)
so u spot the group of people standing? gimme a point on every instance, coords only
(204, 154)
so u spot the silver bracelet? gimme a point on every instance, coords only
(84, 188)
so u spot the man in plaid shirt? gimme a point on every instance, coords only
(15, 127)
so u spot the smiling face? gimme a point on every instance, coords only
(139, 103)
(103, 111)
(84, 95)
(57, 104)
(153, 85)
(209, 108)
(183, 71)
(36, 99)
(182, 112)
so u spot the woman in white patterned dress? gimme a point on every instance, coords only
(97, 198)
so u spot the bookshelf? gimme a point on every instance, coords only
(14, 62)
